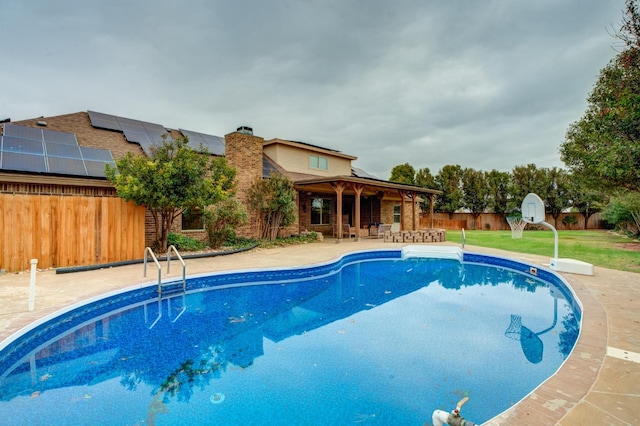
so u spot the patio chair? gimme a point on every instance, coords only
(348, 231)
(382, 229)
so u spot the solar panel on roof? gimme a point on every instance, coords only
(135, 136)
(62, 150)
(152, 127)
(132, 128)
(59, 153)
(67, 166)
(106, 119)
(97, 168)
(22, 132)
(123, 121)
(103, 122)
(96, 154)
(24, 146)
(23, 162)
(59, 137)
(157, 137)
(267, 168)
(217, 143)
(214, 144)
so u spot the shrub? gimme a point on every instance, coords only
(184, 243)
(238, 242)
(624, 212)
(289, 241)
(222, 219)
(570, 220)
(274, 202)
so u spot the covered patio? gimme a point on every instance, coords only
(350, 206)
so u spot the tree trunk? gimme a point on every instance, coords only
(586, 219)
(475, 220)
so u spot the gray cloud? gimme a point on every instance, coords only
(488, 85)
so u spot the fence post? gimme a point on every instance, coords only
(32, 285)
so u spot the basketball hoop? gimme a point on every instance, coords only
(513, 331)
(517, 225)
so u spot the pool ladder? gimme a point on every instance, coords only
(171, 292)
(174, 312)
(171, 248)
(464, 238)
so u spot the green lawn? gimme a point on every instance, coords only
(600, 248)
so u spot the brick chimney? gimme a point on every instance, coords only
(243, 151)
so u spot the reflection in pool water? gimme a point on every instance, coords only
(370, 338)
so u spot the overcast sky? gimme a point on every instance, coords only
(483, 84)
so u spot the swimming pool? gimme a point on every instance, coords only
(370, 338)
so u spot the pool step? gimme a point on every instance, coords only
(432, 252)
(172, 288)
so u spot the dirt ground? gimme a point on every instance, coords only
(629, 246)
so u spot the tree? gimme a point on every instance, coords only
(498, 186)
(172, 179)
(448, 181)
(425, 179)
(603, 147)
(274, 200)
(403, 173)
(624, 212)
(584, 199)
(524, 180)
(475, 193)
(630, 29)
(556, 197)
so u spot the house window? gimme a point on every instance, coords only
(396, 213)
(320, 211)
(192, 220)
(318, 162)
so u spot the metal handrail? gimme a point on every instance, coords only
(184, 266)
(464, 238)
(170, 309)
(155, 259)
(146, 317)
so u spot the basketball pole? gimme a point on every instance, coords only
(555, 236)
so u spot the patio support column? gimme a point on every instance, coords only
(414, 197)
(357, 188)
(431, 208)
(339, 188)
(402, 194)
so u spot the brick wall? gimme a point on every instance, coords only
(387, 212)
(244, 152)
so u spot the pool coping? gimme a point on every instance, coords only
(552, 400)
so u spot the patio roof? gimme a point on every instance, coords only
(371, 185)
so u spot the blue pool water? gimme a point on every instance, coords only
(368, 339)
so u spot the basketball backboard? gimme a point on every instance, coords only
(532, 209)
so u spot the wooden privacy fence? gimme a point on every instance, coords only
(496, 222)
(64, 231)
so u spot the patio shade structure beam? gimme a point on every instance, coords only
(357, 188)
(338, 187)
